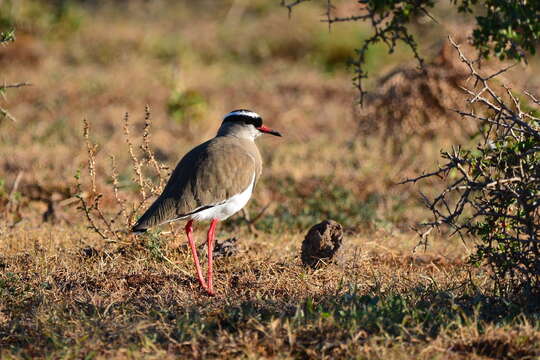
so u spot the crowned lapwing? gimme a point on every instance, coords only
(211, 182)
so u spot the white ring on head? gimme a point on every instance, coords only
(251, 114)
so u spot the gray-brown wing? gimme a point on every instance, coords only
(208, 175)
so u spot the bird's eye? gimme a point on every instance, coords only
(256, 122)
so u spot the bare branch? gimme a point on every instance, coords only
(12, 86)
(290, 5)
(492, 193)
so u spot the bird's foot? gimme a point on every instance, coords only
(209, 291)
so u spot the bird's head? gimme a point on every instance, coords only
(245, 124)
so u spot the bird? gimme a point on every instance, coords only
(211, 182)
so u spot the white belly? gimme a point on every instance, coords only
(227, 208)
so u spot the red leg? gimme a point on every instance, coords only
(189, 233)
(210, 239)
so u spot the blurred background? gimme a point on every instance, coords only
(192, 62)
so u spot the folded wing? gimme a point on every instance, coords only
(206, 176)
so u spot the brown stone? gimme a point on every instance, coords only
(321, 244)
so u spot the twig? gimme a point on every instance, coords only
(149, 154)
(135, 161)
(115, 182)
(292, 4)
(91, 149)
(14, 189)
(4, 113)
(11, 86)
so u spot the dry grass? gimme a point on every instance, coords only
(67, 293)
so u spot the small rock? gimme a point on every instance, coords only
(322, 243)
(225, 248)
(89, 252)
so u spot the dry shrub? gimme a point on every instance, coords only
(148, 174)
(417, 102)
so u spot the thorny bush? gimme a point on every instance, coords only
(492, 193)
(507, 29)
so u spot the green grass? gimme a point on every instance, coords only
(315, 200)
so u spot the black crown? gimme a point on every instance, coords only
(252, 118)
